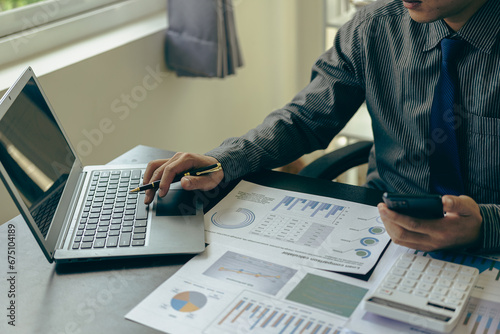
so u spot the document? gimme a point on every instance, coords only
(320, 232)
(225, 291)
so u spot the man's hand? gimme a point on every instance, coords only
(166, 169)
(461, 226)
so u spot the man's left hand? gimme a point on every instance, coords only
(461, 226)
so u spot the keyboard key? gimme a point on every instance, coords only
(99, 243)
(101, 235)
(112, 241)
(88, 239)
(142, 209)
(86, 245)
(140, 230)
(127, 229)
(125, 239)
(138, 236)
(138, 242)
(141, 223)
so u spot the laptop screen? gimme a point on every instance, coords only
(35, 154)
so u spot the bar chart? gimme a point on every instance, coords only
(254, 313)
(309, 208)
(482, 317)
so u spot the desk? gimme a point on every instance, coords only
(94, 297)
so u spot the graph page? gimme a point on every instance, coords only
(225, 291)
(317, 231)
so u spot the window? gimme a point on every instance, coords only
(33, 26)
(28, 14)
(11, 4)
(337, 12)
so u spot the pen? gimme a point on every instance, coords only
(195, 172)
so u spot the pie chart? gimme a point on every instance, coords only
(233, 219)
(188, 301)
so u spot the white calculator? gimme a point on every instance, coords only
(424, 292)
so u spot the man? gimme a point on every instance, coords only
(390, 54)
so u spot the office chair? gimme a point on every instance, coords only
(331, 165)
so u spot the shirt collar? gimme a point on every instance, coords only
(481, 31)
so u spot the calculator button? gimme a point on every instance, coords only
(393, 279)
(414, 275)
(467, 270)
(398, 271)
(421, 261)
(440, 290)
(464, 279)
(405, 289)
(408, 257)
(419, 264)
(452, 267)
(460, 286)
(457, 294)
(410, 283)
(445, 282)
(452, 303)
(437, 264)
(421, 293)
(390, 286)
(429, 279)
(385, 292)
(404, 264)
(424, 286)
(448, 275)
(436, 298)
(433, 271)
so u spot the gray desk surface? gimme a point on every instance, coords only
(91, 299)
(94, 298)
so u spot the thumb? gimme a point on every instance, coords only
(449, 204)
(461, 205)
(206, 182)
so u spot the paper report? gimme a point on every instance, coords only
(316, 231)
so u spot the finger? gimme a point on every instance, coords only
(151, 168)
(407, 231)
(205, 182)
(423, 226)
(150, 195)
(182, 162)
(170, 171)
(459, 205)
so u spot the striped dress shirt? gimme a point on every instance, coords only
(393, 63)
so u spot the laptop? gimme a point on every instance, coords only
(86, 213)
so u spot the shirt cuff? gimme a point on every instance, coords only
(491, 227)
(234, 162)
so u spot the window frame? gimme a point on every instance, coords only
(40, 38)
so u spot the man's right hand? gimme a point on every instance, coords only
(166, 169)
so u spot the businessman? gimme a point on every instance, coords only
(429, 71)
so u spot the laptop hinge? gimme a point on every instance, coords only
(74, 207)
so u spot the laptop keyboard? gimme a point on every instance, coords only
(44, 213)
(113, 217)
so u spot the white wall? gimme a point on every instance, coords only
(280, 39)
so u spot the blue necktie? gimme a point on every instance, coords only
(445, 175)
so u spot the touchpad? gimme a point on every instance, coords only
(177, 202)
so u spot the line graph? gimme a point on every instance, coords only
(250, 272)
(245, 272)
